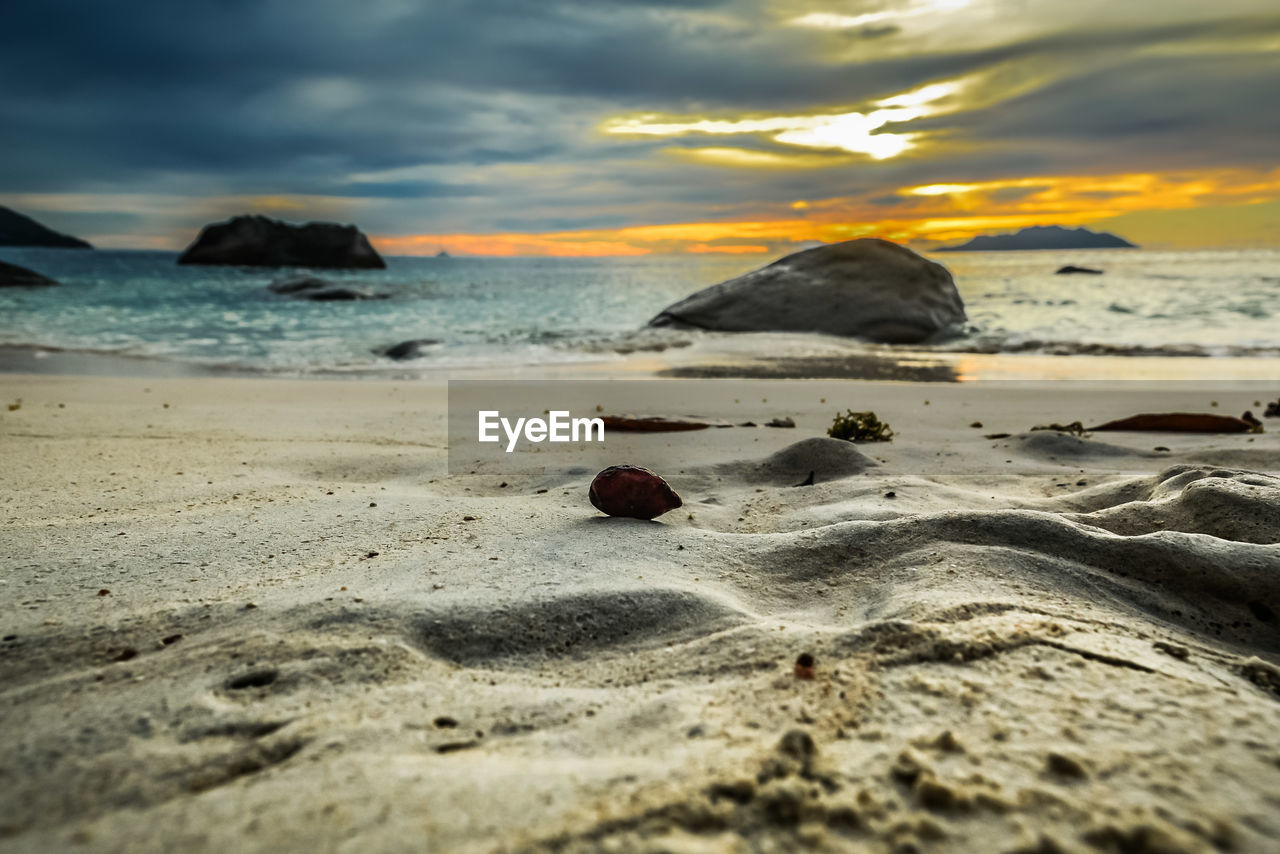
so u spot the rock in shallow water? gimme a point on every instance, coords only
(865, 288)
(406, 350)
(632, 491)
(299, 284)
(319, 290)
(11, 275)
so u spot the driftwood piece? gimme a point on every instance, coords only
(624, 424)
(1180, 422)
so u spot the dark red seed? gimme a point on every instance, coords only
(632, 491)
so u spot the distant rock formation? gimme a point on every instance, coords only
(319, 290)
(1072, 268)
(256, 241)
(866, 288)
(13, 276)
(1043, 237)
(406, 350)
(19, 230)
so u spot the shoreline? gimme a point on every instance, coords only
(905, 365)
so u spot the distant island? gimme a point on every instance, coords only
(257, 241)
(19, 230)
(1043, 237)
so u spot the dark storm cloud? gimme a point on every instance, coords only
(204, 86)
(253, 97)
(1164, 110)
(406, 190)
(104, 95)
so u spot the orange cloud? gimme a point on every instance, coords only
(928, 213)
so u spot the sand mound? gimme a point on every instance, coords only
(1218, 588)
(1050, 444)
(826, 459)
(1229, 505)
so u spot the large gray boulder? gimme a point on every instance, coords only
(256, 241)
(865, 288)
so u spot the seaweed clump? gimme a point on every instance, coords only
(1075, 428)
(860, 427)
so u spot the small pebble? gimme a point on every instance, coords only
(1065, 766)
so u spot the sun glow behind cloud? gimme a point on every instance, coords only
(941, 189)
(855, 131)
(748, 158)
(836, 21)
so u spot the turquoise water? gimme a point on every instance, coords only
(494, 312)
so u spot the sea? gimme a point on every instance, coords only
(1218, 309)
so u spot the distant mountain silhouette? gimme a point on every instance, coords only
(19, 230)
(1043, 237)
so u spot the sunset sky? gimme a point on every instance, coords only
(604, 127)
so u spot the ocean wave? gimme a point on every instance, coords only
(1098, 348)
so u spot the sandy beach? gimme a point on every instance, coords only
(258, 615)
